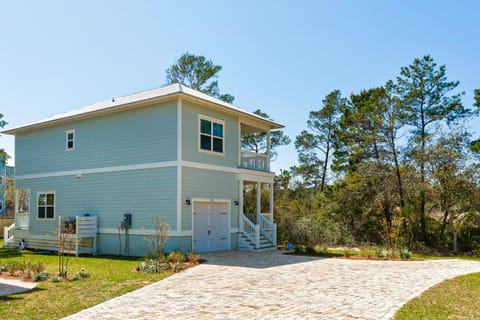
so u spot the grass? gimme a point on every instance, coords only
(457, 298)
(109, 278)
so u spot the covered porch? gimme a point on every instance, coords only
(257, 231)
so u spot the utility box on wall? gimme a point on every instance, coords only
(127, 220)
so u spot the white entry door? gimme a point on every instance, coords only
(210, 226)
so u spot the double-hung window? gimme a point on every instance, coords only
(70, 140)
(212, 133)
(46, 205)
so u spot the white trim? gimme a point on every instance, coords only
(205, 166)
(245, 174)
(142, 166)
(228, 202)
(201, 117)
(46, 193)
(179, 165)
(67, 140)
(144, 232)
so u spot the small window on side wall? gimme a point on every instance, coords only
(70, 139)
(46, 205)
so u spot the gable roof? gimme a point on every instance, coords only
(138, 100)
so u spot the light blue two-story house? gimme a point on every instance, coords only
(171, 152)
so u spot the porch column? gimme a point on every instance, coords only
(271, 202)
(259, 195)
(268, 150)
(240, 205)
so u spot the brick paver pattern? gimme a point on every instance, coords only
(271, 285)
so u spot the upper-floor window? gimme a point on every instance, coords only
(211, 134)
(46, 205)
(70, 139)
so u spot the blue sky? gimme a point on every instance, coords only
(280, 56)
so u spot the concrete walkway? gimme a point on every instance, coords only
(240, 285)
(10, 286)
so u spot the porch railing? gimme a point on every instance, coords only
(250, 230)
(267, 228)
(8, 234)
(253, 160)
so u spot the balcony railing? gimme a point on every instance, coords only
(256, 161)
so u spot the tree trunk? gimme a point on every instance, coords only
(325, 166)
(397, 172)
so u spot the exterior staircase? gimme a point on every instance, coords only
(257, 237)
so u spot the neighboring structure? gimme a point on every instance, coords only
(7, 175)
(171, 152)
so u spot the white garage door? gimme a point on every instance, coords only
(210, 226)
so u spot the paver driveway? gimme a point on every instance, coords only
(271, 285)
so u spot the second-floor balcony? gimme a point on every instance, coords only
(255, 161)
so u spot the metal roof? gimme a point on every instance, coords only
(132, 100)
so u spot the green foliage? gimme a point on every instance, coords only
(3, 154)
(315, 145)
(192, 257)
(40, 276)
(257, 142)
(13, 266)
(197, 73)
(83, 273)
(405, 254)
(402, 165)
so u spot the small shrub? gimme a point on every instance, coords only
(40, 276)
(83, 273)
(153, 266)
(192, 257)
(310, 250)
(56, 279)
(13, 266)
(176, 257)
(405, 254)
(381, 253)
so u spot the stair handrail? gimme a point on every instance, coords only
(267, 228)
(250, 230)
(8, 234)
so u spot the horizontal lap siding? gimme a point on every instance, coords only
(143, 193)
(143, 135)
(208, 184)
(191, 134)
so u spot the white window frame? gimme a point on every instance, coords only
(199, 134)
(46, 206)
(67, 140)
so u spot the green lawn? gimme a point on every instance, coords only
(109, 277)
(458, 298)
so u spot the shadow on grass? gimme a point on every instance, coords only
(19, 295)
(10, 253)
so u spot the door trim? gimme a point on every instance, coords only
(229, 215)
